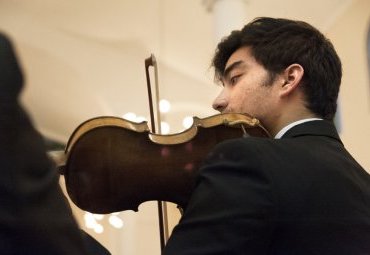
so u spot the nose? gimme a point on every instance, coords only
(220, 103)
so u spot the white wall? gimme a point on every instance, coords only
(349, 34)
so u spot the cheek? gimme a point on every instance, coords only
(239, 100)
(249, 100)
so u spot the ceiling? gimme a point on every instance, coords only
(86, 58)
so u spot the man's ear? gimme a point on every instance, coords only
(292, 77)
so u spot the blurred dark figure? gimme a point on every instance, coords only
(35, 217)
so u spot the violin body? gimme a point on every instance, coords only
(113, 164)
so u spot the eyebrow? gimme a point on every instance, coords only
(232, 67)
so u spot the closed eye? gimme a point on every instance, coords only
(234, 79)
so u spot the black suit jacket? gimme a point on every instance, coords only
(302, 194)
(34, 215)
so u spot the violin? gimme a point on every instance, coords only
(113, 164)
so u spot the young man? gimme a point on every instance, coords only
(299, 192)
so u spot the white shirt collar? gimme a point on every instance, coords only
(286, 128)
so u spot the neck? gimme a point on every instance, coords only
(287, 118)
(288, 108)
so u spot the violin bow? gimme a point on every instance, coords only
(155, 118)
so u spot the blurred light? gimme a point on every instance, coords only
(132, 117)
(115, 221)
(98, 228)
(129, 116)
(90, 221)
(98, 216)
(187, 122)
(164, 105)
(165, 127)
(140, 119)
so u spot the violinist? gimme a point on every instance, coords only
(300, 192)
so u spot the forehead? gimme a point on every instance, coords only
(242, 54)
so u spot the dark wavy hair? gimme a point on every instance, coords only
(278, 43)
